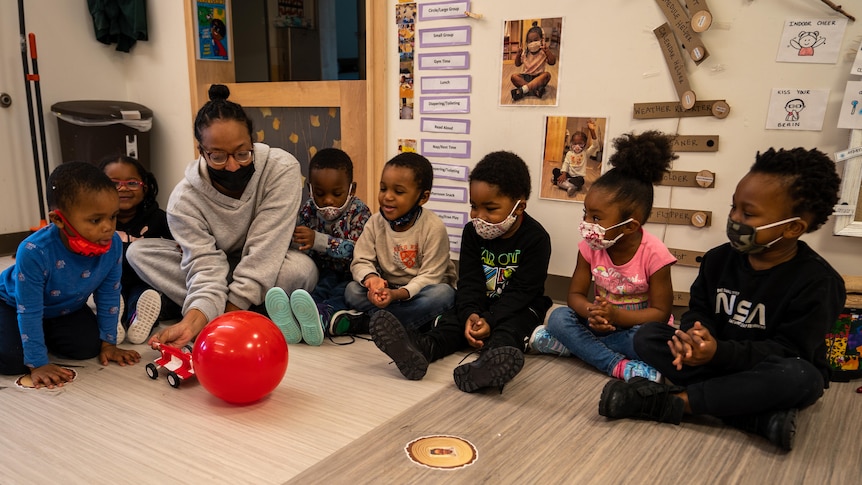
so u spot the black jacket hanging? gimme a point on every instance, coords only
(120, 21)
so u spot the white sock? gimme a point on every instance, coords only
(525, 89)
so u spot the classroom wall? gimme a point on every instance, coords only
(73, 65)
(611, 59)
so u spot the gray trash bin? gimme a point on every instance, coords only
(92, 130)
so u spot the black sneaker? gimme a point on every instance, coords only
(517, 94)
(348, 322)
(779, 427)
(642, 399)
(494, 368)
(393, 339)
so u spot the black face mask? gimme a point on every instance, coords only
(232, 181)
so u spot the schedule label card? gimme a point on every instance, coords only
(452, 172)
(446, 36)
(445, 148)
(443, 10)
(444, 104)
(448, 194)
(445, 60)
(445, 84)
(445, 125)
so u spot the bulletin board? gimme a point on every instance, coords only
(610, 58)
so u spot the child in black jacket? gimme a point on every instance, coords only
(751, 349)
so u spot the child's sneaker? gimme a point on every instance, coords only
(348, 322)
(392, 338)
(494, 368)
(278, 309)
(145, 317)
(517, 94)
(121, 329)
(642, 399)
(637, 368)
(779, 427)
(544, 343)
(325, 311)
(305, 312)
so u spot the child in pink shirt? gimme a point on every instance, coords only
(630, 266)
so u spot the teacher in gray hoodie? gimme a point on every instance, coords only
(232, 217)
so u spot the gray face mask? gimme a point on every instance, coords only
(742, 236)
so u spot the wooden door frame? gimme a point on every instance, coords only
(358, 131)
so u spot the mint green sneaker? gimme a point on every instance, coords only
(305, 313)
(544, 343)
(278, 309)
(637, 368)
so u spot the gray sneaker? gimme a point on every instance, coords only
(146, 316)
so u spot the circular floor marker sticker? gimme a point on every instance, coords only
(442, 452)
(26, 382)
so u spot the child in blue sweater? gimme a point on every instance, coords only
(43, 296)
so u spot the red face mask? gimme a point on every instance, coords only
(77, 243)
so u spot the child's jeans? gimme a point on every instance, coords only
(601, 350)
(330, 290)
(73, 336)
(414, 313)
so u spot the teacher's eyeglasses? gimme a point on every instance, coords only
(219, 159)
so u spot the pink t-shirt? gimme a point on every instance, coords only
(628, 285)
(533, 64)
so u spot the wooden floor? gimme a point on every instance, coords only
(551, 90)
(551, 191)
(343, 414)
(116, 425)
(545, 428)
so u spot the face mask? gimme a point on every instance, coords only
(404, 220)
(486, 230)
(232, 181)
(578, 148)
(594, 234)
(535, 46)
(330, 213)
(78, 244)
(742, 236)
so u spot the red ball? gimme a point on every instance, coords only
(240, 357)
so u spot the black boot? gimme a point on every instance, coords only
(494, 368)
(642, 399)
(410, 351)
(517, 94)
(779, 427)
